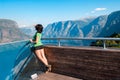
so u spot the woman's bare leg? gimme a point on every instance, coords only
(43, 56)
(45, 59)
(39, 55)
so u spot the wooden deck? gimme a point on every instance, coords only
(80, 63)
(54, 76)
(48, 76)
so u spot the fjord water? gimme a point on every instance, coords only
(12, 58)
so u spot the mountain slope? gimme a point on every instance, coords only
(98, 27)
(112, 25)
(95, 27)
(66, 28)
(9, 31)
(28, 30)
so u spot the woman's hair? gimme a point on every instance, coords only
(39, 28)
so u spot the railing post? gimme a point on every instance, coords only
(104, 44)
(59, 42)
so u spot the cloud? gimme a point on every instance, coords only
(98, 9)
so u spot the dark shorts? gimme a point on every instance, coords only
(37, 48)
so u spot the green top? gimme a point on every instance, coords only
(39, 43)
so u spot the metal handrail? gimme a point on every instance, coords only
(12, 42)
(73, 38)
(82, 38)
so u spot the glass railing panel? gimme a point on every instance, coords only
(12, 57)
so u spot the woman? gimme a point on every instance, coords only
(38, 46)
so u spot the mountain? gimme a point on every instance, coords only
(101, 26)
(112, 25)
(28, 30)
(93, 27)
(66, 28)
(9, 31)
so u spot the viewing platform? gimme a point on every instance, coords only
(79, 62)
(68, 63)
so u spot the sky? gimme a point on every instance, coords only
(31, 12)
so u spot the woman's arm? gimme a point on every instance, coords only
(35, 41)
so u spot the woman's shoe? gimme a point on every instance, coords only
(48, 68)
(46, 71)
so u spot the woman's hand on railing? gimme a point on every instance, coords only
(31, 40)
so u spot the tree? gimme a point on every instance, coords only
(109, 43)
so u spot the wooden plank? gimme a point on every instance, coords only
(54, 76)
(46, 76)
